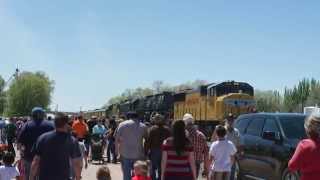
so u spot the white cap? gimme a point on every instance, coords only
(188, 119)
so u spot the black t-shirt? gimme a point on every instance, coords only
(55, 150)
(30, 133)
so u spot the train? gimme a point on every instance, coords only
(209, 104)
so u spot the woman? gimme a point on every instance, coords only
(177, 156)
(306, 159)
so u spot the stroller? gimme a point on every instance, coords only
(97, 148)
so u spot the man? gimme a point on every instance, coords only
(111, 149)
(29, 134)
(53, 152)
(232, 135)
(99, 128)
(157, 134)
(129, 142)
(198, 140)
(10, 131)
(80, 128)
(91, 123)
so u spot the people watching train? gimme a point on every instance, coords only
(29, 134)
(55, 152)
(178, 161)
(306, 159)
(129, 143)
(233, 135)
(156, 135)
(221, 155)
(10, 132)
(199, 143)
(80, 128)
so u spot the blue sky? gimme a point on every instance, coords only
(96, 49)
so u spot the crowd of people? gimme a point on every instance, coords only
(61, 148)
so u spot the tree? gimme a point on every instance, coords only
(29, 90)
(2, 95)
(268, 101)
(303, 92)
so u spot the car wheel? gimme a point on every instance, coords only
(287, 175)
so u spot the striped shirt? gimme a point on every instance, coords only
(177, 165)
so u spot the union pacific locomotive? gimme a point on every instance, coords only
(209, 104)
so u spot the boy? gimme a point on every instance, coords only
(222, 155)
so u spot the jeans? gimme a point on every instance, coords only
(198, 164)
(155, 157)
(233, 169)
(111, 150)
(127, 168)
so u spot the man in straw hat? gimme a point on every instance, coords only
(198, 140)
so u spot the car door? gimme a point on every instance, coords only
(271, 150)
(251, 162)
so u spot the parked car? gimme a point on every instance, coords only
(269, 141)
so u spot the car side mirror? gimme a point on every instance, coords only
(273, 136)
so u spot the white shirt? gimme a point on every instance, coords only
(8, 173)
(221, 151)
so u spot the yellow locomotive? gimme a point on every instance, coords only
(211, 103)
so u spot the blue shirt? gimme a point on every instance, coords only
(55, 150)
(99, 129)
(30, 133)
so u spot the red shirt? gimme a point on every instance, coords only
(177, 165)
(306, 159)
(141, 178)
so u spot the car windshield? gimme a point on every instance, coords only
(293, 127)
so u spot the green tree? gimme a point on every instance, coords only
(27, 91)
(268, 101)
(2, 95)
(303, 93)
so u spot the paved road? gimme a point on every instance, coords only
(116, 174)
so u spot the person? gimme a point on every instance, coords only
(222, 154)
(99, 129)
(306, 158)
(233, 135)
(129, 143)
(103, 173)
(141, 169)
(10, 131)
(91, 123)
(80, 128)
(8, 171)
(29, 134)
(54, 151)
(199, 143)
(111, 148)
(178, 161)
(157, 134)
(84, 153)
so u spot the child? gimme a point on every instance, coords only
(103, 173)
(141, 169)
(222, 154)
(8, 171)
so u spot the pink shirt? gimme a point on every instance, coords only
(306, 159)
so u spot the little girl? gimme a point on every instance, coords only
(8, 171)
(141, 169)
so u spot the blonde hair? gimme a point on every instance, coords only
(103, 173)
(143, 167)
(312, 125)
